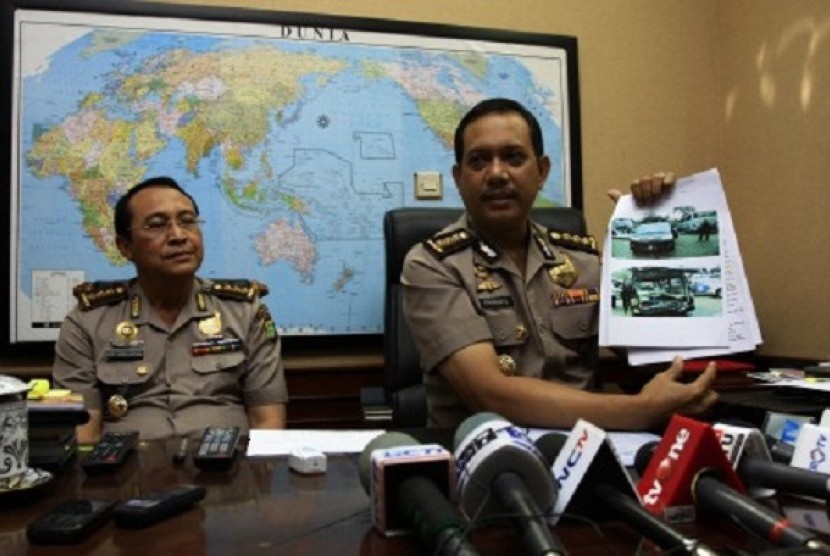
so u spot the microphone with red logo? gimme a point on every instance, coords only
(500, 471)
(689, 469)
(747, 450)
(605, 488)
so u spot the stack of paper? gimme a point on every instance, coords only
(673, 282)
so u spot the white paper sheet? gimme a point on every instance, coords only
(718, 325)
(268, 442)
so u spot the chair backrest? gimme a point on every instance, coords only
(402, 229)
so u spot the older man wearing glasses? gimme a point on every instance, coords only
(168, 353)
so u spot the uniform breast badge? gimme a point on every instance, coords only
(507, 365)
(117, 406)
(126, 346)
(211, 326)
(126, 331)
(564, 274)
(485, 283)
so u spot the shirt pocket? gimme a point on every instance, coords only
(575, 322)
(220, 362)
(507, 330)
(123, 373)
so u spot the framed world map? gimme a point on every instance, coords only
(295, 133)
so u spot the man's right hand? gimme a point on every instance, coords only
(647, 190)
(663, 395)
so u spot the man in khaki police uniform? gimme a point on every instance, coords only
(168, 353)
(504, 313)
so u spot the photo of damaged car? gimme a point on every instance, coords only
(660, 291)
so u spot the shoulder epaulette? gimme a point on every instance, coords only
(242, 290)
(97, 294)
(446, 243)
(574, 241)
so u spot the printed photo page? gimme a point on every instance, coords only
(673, 281)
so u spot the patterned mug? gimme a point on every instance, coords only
(14, 429)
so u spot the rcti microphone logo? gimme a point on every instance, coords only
(818, 454)
(665, 468)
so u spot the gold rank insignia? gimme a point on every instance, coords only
(126, 331)
(564, 274)
(97, 294)
(574, 241)
(507, 365)
(488, 286)
(211, 326)
(443, 244)
(135, 306)
(241, 290)
(117, 406)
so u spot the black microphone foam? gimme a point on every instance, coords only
(714, 496)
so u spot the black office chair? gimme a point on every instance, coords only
(402, 229)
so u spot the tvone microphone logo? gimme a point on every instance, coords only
(573, 458)
(665, 468)
(818, 454)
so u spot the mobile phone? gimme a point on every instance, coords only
(70, 522)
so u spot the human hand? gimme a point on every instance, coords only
(647, 190)
(664, 395)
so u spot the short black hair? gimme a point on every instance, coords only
(499, 106)
(123, 213)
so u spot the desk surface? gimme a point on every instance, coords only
(261, 507)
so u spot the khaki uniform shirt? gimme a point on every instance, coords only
(471, 292)
(221, 356)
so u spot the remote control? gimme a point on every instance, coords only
(217, 448)
(69, 522)
(151, 508)
(111, 451)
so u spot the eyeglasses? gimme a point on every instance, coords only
(163, 226)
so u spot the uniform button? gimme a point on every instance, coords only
(583, 326)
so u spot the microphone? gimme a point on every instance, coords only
(408, 484)
(811, 448)
(623, 502)
(717, 497)
(779, 450)
(689, 464)
(755, 470)
(501, 471)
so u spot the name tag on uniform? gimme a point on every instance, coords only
(220, 345)
(501, 302)
(125, 354)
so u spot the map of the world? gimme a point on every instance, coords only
(294, 144)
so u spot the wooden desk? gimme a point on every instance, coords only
(261, 507)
